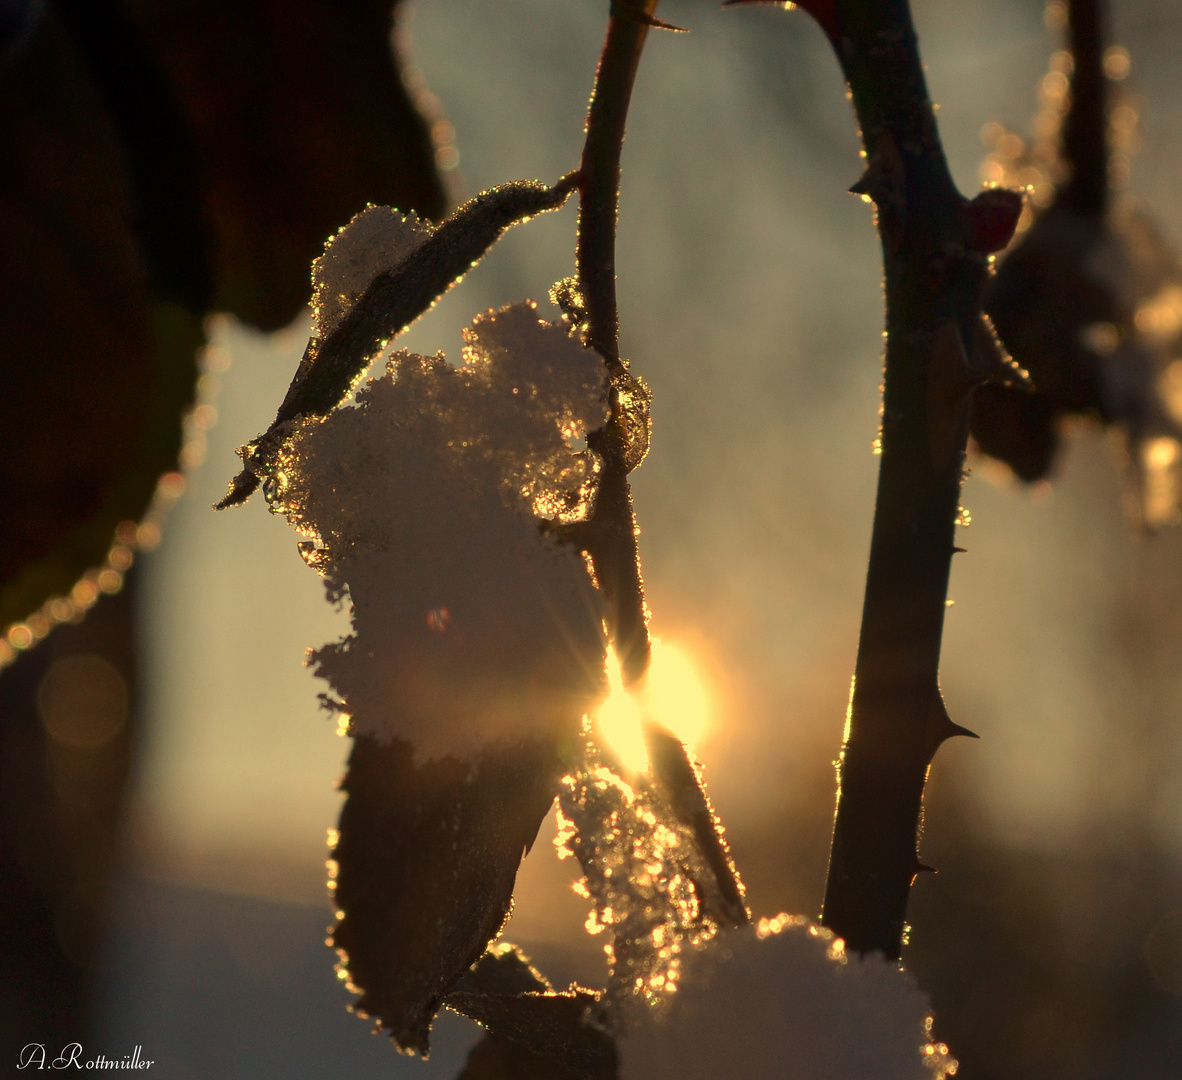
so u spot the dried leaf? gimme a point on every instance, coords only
(425, 864)
(565, 1028)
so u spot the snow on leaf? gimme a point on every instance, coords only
(428, 505)
(373, 242)
(785, 999)
(366, 295)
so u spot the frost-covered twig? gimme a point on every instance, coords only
(610, 535)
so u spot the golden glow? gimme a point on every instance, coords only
(619, 719)
(672, 694)
(1159, 459)
(675, 695)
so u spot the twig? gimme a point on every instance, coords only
(610, 537)
(1085, 130)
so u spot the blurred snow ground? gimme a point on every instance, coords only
(750, 302)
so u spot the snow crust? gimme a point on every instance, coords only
(373, 242)
(427, 505)
(783, 1001)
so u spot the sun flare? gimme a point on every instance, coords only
(671, 694)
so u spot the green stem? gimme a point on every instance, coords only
(933, 285)
(611, 533)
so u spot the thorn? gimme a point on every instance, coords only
(660, 24)
(883, 183)
(942, 728)
(923, 868)
(957, 729)
(960, 551)
(621, 9)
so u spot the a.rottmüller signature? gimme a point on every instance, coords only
(37, 1056)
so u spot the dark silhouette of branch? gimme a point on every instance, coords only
(935, 252)
(1085, 145)
(610, 536)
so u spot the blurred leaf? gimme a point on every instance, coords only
(162, 160)
(99, 341)
(426, 861)
(298, 118)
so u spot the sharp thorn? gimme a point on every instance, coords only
(623, 10)
(956, 729)
(960, 551)
(923, 868)
(660, 24)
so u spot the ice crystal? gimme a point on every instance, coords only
(642, 872)
(428, 505)
(784, 998)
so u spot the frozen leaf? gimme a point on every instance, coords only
(429, 505)
(423, 871)
(534, 1033)
(564, 1028)
(785, 999)
(503, 969)
(355, 328)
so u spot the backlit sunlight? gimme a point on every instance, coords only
(671, 694)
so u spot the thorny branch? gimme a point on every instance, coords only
(935, 252)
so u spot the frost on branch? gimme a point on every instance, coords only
(427, 504)
(785, 999)
(652, 886)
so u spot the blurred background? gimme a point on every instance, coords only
(1051, 939)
